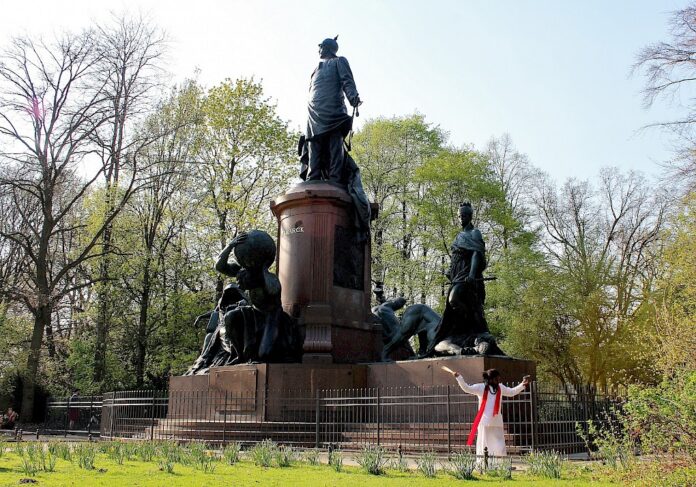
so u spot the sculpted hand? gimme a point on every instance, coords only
(239, 239)
(469, 280)
(356, 102)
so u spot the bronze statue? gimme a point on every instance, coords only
(463, 328)
(249, 324)
(328, 122)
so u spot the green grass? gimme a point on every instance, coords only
(134, 472)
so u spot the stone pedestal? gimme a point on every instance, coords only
(325, 274)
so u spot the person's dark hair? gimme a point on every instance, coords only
(488, 376)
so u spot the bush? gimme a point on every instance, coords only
(263, 452)
(426, 464)
(117, 452)
(611, 443)
(546, 464)
(462, 465)
(664, 417)
(146, 450)
(372, 459)
(166, 465)
(336, 460)
(61, 450)
(231, 453)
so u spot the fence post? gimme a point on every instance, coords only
(533, 406)
(379, 419)
(111, 416)
(89, 421)
(224, 421)
(152, 418)
(67, 419)
(317, 419)
(449, 424)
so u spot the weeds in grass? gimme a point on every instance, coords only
(311, 456)
(86, 454)
(146, 451)
(284, 456)
(2, 448)
(426, 464)
(60, 450)
(462, 465)
(263, 452)
(336, 459)
(546, 464)
(372, 459)
(117, 452)
(232, 452)
(166, 465)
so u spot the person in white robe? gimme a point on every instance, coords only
(490, 433)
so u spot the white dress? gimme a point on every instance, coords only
(491, 434)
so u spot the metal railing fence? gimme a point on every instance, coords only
(413, 418)
(77, 415)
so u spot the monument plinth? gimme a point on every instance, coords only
(325, 274)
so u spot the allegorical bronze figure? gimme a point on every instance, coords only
(463, 328)
(249, 324)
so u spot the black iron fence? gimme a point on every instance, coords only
(80, 415)
(418, 418)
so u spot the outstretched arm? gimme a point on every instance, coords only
(475, 389)
(513, 391)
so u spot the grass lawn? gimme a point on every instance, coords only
(134, 473)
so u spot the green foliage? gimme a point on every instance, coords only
(285, 456)
(372, 459)
(263, 452)
(86, 454)
(548, 464)
(500, 468)
(311, 457)
(610, 442)
(426, 464)
(231, 453)
(462, 465)
(663, 417)
(399, 463)
(336, 459)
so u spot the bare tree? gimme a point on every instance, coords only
(51, 109)
(670, 72)
(601, 240)
(130, 58)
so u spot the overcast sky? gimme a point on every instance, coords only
(555, 74)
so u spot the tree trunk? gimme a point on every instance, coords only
(42, 320)
(141, 335)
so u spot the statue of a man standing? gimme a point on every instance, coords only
(328, 122)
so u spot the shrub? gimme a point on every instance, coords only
(117, 453)
(231, 453)
(372, 459)
(263, 452)
(166, 465)
(462, 465)
(2, 448)
(610, 443)
(545, 464)
(60, 450)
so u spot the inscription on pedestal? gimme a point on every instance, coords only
(349, 260)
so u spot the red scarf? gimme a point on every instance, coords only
(496, 410)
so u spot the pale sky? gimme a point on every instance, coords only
(555, 75)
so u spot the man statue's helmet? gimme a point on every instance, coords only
(330, 44)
